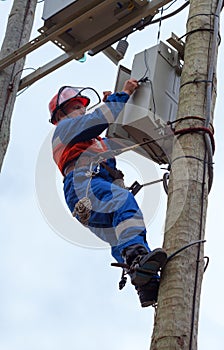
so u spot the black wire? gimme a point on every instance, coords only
(185, 118)
(22, 91)
(195, 31)
(171, 14)
(145, 79)
(154, 154)
(191, 157)
(166, 177)
(21, 70)
(153, 100)
(171, 256)
(201, 14)
(160, 23)
(148, 20)
(147, 68)
(207, 262)
(169, 5)
(195, 82)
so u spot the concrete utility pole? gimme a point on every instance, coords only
(18, 31)
(176, 320)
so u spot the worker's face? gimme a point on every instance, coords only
(74, 108)
(71, 109)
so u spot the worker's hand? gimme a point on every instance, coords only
(130, 86)
(106, 94)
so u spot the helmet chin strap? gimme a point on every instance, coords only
(63, 111)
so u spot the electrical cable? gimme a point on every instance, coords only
(188, 117)
(165, 182)
(195, 31)
(23, 90)
(169, 5)
(210, 160)
(148, 20)
(188, 157)
(201, 14)
(171, 14)
(160, 23)
(195, 81)
(207, 262)
(145, 79)
(171, 256)
(161, 18)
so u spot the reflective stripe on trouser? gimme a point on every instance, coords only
(115, 217)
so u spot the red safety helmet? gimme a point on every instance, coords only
(65, 94)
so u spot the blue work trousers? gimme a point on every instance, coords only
(115, 217)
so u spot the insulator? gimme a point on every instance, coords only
(122, 47)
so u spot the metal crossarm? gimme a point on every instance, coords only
(74, 47)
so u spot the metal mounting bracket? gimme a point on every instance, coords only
(178, 44)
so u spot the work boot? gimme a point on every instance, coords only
(143, 265)
(148, 292)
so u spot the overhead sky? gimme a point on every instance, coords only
(59, 291)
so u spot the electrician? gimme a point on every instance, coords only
(91, 183)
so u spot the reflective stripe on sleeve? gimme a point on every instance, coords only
(56, 141)
(107, 113)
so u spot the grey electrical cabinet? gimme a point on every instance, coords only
(160, 93)
(145, 116)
